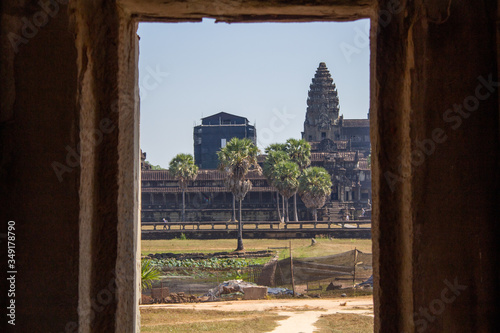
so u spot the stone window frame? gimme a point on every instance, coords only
(130, 14)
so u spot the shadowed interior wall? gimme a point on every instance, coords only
(435, 141)
(38, 123)
(435, 204)
(70, 163)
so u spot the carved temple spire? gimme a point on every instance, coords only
(322, 108)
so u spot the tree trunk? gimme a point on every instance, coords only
(287, 211)
(283, 208)
(183, 205)
(295, 207)
(234, 210)
(278, 205)
(240, 233)
(315, 213)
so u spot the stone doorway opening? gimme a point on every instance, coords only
(435, 197)
(354, 44)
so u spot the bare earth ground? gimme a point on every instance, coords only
(301, 313)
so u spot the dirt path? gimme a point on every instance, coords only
(301, 313)
(298, 322)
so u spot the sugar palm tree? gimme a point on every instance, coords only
(183, 169)
(236, 159)
(315, 185)
(275, 147)
(286, 180)
(273, 158)
(300, 153)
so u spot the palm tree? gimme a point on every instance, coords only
(314, 186)
(183, 169)
(149, 273)
(275, 147)
(273, 158)
(236, 159)
(299, 152)
(286, 180)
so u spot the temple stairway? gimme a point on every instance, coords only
(333, 210)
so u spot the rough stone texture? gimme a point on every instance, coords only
(129, 180)
(257, 292)
(39, 119)
(437, 221)
(249, 11)
(434, 221)
(109, 103)
(95, 24)
(322, 114)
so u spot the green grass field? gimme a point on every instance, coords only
(301, 248)
(180, 320)
(344, 323)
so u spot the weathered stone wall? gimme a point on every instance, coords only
(435, 168)
(435, 172)
(218, 215)
(69, 172)
(107, 58)
(39, 120)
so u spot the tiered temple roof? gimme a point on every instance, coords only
(356, 123)
(323, 96)
(322, 115)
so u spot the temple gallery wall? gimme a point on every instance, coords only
(434, 74)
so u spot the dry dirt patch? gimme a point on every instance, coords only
(296, 315)
(185, 320)
(344, 323)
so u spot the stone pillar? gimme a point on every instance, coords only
(106, 43)
(40, 167)
(435, 140)
(70, 163)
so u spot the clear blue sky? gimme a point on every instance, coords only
(261, 71)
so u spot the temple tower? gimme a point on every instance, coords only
(322, 116)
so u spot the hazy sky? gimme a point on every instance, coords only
(261, 71)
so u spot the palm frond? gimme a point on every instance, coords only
(149, 273)
(315, 185)
(286, 178)
(182, 168)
